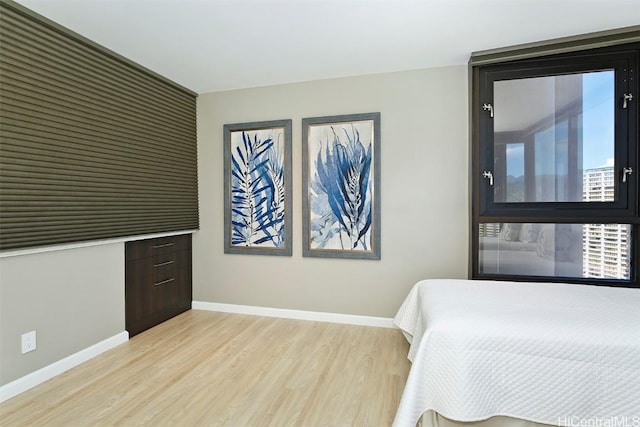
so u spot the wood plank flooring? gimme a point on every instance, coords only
(216, 369)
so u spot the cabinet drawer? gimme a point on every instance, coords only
(160, 248)
(161, 257)
(163, 273)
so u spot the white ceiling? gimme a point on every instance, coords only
(214, 45)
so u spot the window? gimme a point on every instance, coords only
(555, 167)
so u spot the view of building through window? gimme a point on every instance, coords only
(597, 251)
(560, 151)
(571, 250)
(605, 247)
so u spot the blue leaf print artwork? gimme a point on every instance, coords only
(341, 190)
(257, 189)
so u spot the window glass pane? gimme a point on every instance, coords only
(550, 133)
(515, 172)
(563, 250)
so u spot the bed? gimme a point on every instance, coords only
(535, 353)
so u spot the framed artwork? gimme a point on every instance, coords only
(341, 186)
(257, 188)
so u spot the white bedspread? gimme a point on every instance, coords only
(544, 352)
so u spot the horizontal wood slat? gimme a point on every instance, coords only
(32, 112)
(28, 131)
(92, 146)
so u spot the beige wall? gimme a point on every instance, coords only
(72, 298)
(424, 193)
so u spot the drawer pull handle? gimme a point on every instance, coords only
(164, 245)
(164, 282)
(162, 264)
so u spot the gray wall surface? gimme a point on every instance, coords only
(72, 298)
(424, 118)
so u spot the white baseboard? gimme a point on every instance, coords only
(349, 319)
(31, 380)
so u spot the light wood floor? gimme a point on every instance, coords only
(216, 369)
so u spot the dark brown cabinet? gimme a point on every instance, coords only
(157, 281)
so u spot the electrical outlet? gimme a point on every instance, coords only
(28, 342)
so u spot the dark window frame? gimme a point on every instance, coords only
(625, 150)
(624, 210)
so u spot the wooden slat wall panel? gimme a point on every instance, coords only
(92, 146)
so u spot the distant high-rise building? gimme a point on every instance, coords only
(598, 185)
(490, 229)
(605, 246)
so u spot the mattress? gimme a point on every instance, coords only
(543, 352)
